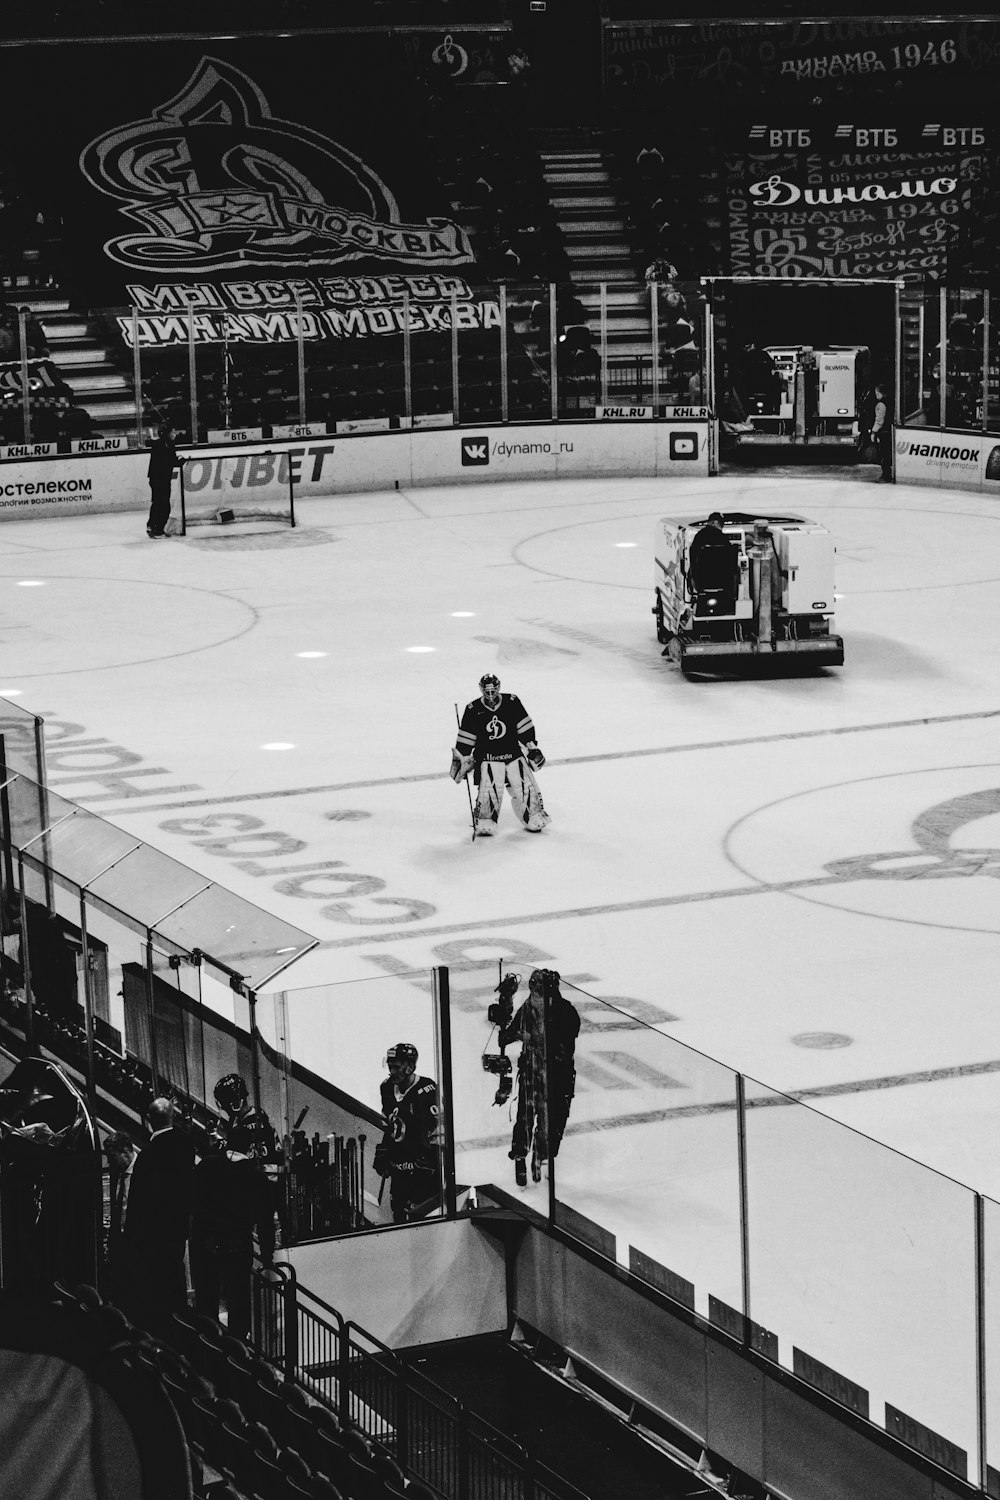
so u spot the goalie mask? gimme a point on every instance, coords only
(489, 687)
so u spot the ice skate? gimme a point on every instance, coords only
(520, 1172)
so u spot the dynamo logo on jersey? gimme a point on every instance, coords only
(475, 452)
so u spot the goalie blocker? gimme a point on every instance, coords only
(496, 742)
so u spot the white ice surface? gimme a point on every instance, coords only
(799, 874)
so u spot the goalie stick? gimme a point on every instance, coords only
(468, 789)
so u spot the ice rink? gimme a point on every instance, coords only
(795, 875)
(800, 873)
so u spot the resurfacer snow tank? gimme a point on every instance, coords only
(763, 592)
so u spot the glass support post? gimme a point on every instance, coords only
(137, 377)
(301, 356)
(981, 1369)
(29, 999)
(654, 314)
(504, 357)
(921, 353)
(407, 360)
(553, 353)
(88, 1009)
(741, 1128)
(192, 377)
(604, 343)
(22, 318)
(151, 1015)
(942, 356)
(442, 1023)
(898, 356)
(455, 407)
(986, 360)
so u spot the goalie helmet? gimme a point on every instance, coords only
(489, 687)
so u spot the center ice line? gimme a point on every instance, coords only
(581, 760)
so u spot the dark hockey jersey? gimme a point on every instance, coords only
(414, 1127)
(494, 733)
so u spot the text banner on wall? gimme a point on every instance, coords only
(322, 467)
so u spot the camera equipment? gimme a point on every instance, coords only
(500, 1012)
(501, 1065)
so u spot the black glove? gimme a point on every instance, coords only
(380, 1161)
(535, 757)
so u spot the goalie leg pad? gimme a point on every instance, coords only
(491, 784)
(525, 797)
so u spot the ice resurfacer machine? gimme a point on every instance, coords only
(763, 589)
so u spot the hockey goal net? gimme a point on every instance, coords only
(238, 489)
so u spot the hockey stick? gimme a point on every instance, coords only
(468, 789)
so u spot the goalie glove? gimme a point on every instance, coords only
(536, 759)
(461, 765)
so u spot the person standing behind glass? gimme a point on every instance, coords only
(547, 1027)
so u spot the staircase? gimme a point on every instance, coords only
(84, 362)
(597, 243)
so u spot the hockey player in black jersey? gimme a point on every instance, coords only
(409, 1153)
(496, 742)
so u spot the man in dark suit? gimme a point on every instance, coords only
(157, 1219)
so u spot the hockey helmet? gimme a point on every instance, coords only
(231, 1093)
(404, 1054)
(489, 687)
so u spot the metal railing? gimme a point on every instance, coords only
(429, 1432)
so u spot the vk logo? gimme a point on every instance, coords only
(475, 451)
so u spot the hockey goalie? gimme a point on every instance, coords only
(496, 742)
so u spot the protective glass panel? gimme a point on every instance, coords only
(992, 394)
(263, 369)
(991, 1331)
(28, 809)
(579, 345)
(862, 1265)
(650, 1157)
(936, 356)
(82, 846)
(913, 312)
(529, 355)
(228, 929)
(55, 952)
(477, 318)
(679, 339)
(147, 885)
(323, 1066)
(225, 1045)
(965, 359)
(22, 741)
(123, 1033)
(178, 1056)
